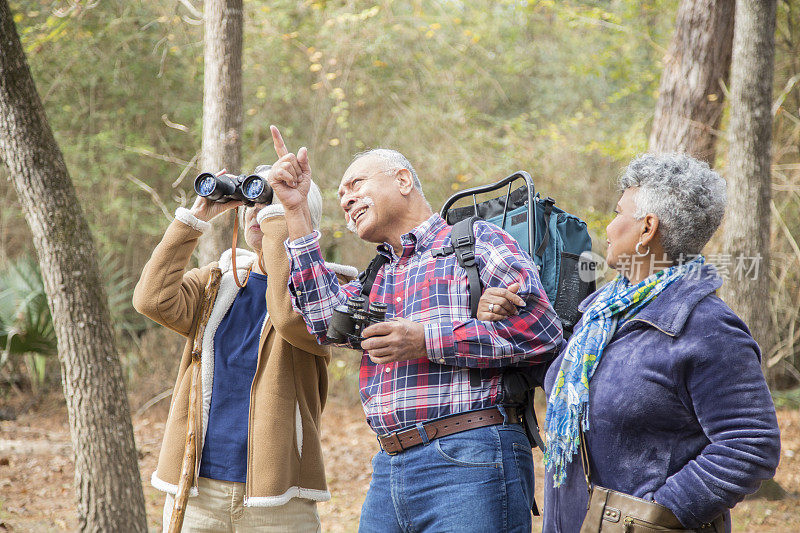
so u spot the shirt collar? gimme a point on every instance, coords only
(417, 239)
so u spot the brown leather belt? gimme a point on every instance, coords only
(398, 441)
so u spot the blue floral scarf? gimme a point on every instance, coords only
(568, 404)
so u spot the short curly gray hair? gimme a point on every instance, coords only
(685, 194)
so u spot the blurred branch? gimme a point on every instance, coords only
(153, 194)
(152, 401)
(622, 29)
(792, 371)
(787, 233)
(190, 165)
(786, 90)
(173, 125)
(149, 153)
(74, 5)
(196, 13)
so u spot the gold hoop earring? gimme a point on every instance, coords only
(641, 254)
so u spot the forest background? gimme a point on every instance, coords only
(468, 91)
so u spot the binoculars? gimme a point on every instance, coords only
(250, 189)
(348, 321)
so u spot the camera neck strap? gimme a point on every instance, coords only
(367, 278)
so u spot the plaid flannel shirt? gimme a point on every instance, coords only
(433, 291)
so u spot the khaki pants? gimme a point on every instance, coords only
(219, 508)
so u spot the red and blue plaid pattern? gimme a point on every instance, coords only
(433, 291)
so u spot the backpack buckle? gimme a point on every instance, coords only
(464, 240)
(442, 252)
(468, 257)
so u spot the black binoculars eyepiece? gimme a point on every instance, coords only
(249, 189)
(348, 321)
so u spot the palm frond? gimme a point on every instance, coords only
(26, 325)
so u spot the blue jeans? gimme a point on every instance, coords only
(478, 480)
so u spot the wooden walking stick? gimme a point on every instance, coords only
(189, 464)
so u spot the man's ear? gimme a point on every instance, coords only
(405, 181)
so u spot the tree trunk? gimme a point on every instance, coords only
(690, 100)
(747, 226)
(107, 478)
(222, 109)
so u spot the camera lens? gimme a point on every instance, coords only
(256, 189)
(206, 184)
(215, 188)
(253, 188)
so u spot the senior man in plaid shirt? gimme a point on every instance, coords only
(452, 457)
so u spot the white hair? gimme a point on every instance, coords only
(686, 195)
(393, 159)
(314, 205)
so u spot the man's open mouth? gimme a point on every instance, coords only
(358, 213)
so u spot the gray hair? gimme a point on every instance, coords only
(314, 205)
(685, 194)
(393, 159)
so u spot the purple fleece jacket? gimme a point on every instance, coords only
(679, 411)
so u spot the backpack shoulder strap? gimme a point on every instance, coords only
(548, 209)
(462, 243)
(367, 278)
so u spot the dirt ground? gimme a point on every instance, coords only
(36, 471)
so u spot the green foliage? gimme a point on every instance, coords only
(469, 91)
(787, 398)
(25, 322)
(26, 325)
(107, 75)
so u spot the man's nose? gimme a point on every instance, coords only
(347, 201)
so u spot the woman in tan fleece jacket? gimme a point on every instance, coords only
(280, 469)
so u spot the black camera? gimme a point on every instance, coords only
(348, 321)
(250, 189)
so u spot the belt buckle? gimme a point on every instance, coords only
(391, 436)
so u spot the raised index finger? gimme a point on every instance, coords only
(277, 141)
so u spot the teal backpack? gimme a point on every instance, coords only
(552, 237)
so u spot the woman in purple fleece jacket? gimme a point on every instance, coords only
(676, 410)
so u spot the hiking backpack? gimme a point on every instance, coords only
(552, 237)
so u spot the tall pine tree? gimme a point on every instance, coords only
(691, 100)
(222, 108)
(747, 223)
(107, 478)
